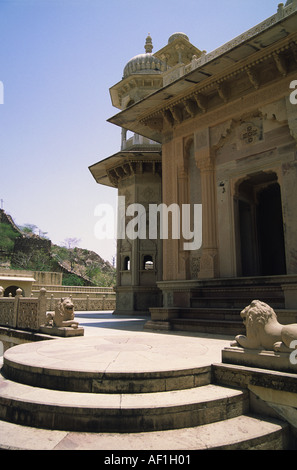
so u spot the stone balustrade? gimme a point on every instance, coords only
(28, 313)
(21, 317)
(87, 303)
(24, 313)
(75, 289)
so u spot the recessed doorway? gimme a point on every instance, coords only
(260, 232)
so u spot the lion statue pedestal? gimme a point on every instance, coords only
(267, 344)
(62, 322)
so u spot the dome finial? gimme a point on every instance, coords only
(148, 44)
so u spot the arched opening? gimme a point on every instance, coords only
(11, 291)
(148, 263)
(127, 263)
(260, 233)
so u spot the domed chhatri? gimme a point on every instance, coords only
(145, 63)
(179, 154)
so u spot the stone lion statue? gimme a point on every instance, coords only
(64, 314)
(263, 331)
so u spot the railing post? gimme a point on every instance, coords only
(19, 293)
(52, 302)
(42, 306)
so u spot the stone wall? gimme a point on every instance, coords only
(44, 278)
(85, 298)
(28, 244)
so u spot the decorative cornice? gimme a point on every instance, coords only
(280, 58)
(147, 83)
(133, 167)
(235, 108)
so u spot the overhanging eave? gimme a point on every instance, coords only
(208, 68)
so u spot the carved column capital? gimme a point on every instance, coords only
(205, 164)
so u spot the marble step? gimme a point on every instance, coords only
(211, 313)
(104, 382)
(238, 433)
(90, 412)
(234, 301)
(205, 325)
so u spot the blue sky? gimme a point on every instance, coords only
(58, 59)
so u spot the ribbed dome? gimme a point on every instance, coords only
(144, 63)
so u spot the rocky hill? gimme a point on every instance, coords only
(22, 248)
(86, 264)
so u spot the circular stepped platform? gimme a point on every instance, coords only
(109, 364)
(113, 384)
(89, 412)
(124, 391)
(239, 433)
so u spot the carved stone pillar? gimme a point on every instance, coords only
(209, 258)
(170, 247)
(183, 198)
